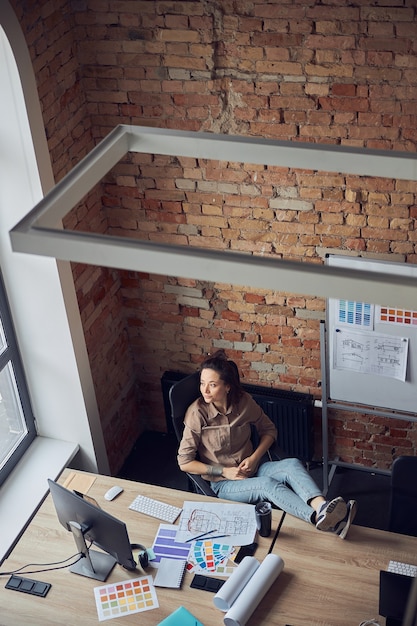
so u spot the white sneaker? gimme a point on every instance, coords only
(331, 513)
(343, 526)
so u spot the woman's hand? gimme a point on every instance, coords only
(248, 466)
(233, 473)
(245, 469)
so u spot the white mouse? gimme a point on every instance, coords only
(113, 492)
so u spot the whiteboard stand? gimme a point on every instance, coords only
(345, 406)
(368, 393)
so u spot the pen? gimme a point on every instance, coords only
(218, 536)
(202, 535)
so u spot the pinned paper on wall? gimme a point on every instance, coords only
(371, 353)
(393, 315)
(355, 314)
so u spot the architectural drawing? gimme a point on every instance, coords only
(234, 523)
(371, 353)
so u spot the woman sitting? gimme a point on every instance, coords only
(217, 444)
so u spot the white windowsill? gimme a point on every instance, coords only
(26, 487)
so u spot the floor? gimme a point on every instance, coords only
(153, 461)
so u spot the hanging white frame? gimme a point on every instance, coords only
(41, 233)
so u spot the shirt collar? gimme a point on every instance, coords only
(212, 412)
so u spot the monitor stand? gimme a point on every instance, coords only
(92, 564)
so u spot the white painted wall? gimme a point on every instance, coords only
(40, 290)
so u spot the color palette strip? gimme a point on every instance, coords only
(165, 546)
(392, 315)
(355, 313)
(204, 555)
(125, 597)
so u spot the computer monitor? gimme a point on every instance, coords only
(394, 590)
(89, 522)
(410, 617)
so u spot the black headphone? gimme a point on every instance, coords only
(142, 556)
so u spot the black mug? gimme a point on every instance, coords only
(263, 512)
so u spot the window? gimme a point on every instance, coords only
(17, 424)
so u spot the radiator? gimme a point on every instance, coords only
(291, 412)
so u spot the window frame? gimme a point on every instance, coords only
(11, 355)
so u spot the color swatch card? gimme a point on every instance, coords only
(210, 558)
(125, 597)
(165, 546)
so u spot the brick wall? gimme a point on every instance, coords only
(334, 72)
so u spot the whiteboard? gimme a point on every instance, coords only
(389, 336)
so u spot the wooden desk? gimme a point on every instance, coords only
(328, 581)
(71, 598)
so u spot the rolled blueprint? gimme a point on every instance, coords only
(228, 592)
(245, 602)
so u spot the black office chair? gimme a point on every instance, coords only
(181, 395)
(403, 496)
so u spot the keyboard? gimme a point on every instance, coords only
(402, 568)
(155, 508)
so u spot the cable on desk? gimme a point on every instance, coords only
(370, 622)
(45, 566)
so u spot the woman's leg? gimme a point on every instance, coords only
(289, 486)
(252, 490)
(292, 473)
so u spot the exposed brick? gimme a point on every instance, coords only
(325, 73)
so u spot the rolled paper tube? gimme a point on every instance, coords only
(228, 592)
(245, 604)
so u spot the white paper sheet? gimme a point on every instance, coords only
(232, 523)
(371, 353)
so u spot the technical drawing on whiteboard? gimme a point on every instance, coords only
(371, 353)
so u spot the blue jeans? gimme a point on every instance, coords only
(286, 483)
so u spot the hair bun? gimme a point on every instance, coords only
(219, 354)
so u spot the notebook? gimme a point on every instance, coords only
(170, 573)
